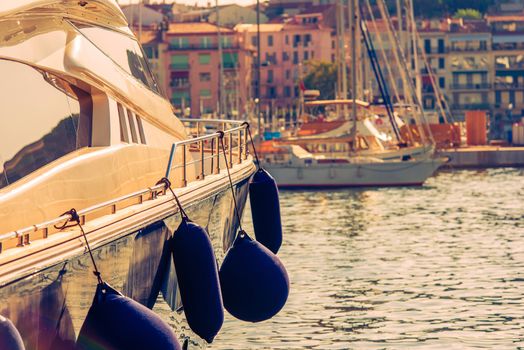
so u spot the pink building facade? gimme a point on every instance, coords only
(285, 50)
(192, 64)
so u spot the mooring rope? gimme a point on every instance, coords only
(76, 218)
(257, 161)
(237, 212)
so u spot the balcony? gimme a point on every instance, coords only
(480, 86)
(179, 85)
(508, 46)
(508, 86)
(179, 66)
(203, 47)
(471, 106)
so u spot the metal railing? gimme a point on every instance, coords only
(206, 143)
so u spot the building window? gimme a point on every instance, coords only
(205, 93)
(205, 42)
(442, 82)
(441, 63)
(287, 39)
(254, 40)
(295, 57)
(287, 91)
(270, 40)
(205, 76)
(427, 45)
(204, 58)
(296, 40)
(225, 41)
(230, 60)
(179, 43)
(270, 76)
(179, 62)
(441, 48)
(307, 40)
(306, 55)
(498, 98)
(288, 74)
(285, 56)
(271, 92)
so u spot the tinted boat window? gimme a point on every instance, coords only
(123, 50)
(42, 118)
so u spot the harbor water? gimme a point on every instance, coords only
(439, 266)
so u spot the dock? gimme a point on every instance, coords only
(484, 156)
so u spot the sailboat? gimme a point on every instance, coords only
(293, 166)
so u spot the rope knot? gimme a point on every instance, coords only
(164, 181)
(245, 124)
(220, 134)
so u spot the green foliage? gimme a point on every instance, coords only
(321, 76)
(467, 14)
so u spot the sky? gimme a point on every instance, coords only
(193, 2)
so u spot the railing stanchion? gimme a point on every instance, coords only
(184, 175)
(217, 165)
(230, 145)
(246, 144)
(202, 161)
(239, 146)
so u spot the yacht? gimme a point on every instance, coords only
(84, 125)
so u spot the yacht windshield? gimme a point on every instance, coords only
(42, 118)
(123, 50)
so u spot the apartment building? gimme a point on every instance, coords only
(478, 64)
(193, 66)
(285, 50)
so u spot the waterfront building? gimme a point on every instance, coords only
(285, 50)
(476, 63)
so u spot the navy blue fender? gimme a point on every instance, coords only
(116, 322)
(9, 336)
(265, 210)
(254, 282)
(197, 273)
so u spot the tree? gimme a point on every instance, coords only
(467, 14)
(321, 76)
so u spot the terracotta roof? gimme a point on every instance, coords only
(265, 27)
(196, 28)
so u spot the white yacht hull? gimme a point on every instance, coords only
(395, 173)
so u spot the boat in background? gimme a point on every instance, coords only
(84, 126)
(328, 153)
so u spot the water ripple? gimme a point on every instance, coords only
(440, 266)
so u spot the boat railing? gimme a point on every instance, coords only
(205, 142)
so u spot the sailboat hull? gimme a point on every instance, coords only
(397, 173)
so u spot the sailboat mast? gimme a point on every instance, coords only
(353, 20)
(413, 31)
(221, 91)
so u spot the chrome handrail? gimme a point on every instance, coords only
(240, 130)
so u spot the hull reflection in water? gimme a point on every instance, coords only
(49, 307)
